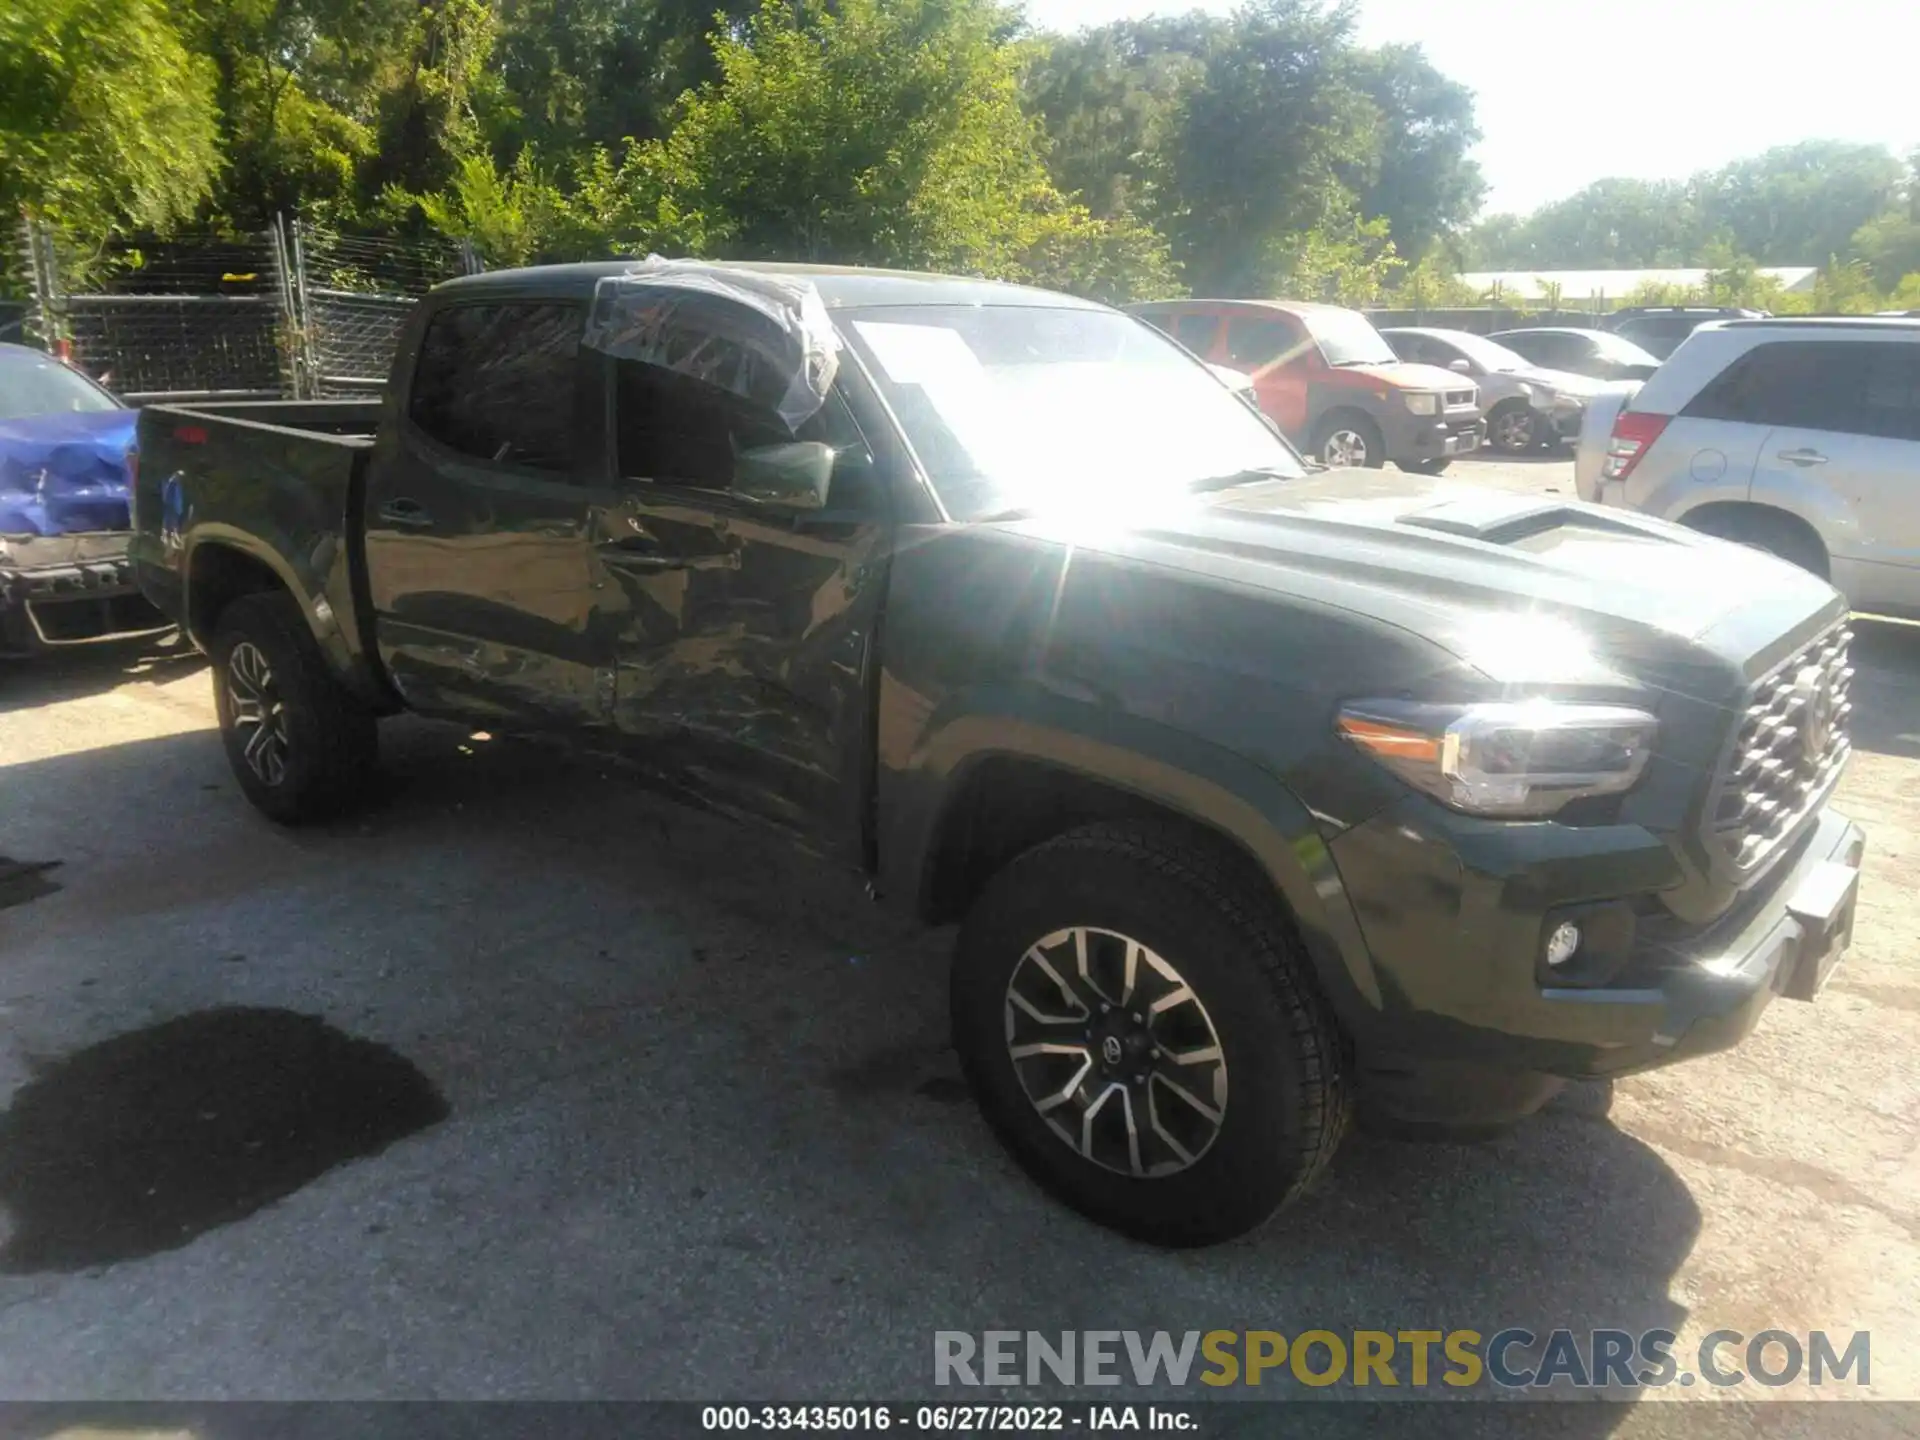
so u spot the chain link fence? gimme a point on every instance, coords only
(293, 311)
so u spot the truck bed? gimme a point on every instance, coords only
(276, 485)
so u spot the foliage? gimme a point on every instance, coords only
(1343, 261)
(1432, 284)
(1105, 99)
(106, 119)
(1258, 145)
(1420, 179)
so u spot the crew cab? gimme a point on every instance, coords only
(1259, 796)
(1329, 380)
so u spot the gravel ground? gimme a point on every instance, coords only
(630, 1103)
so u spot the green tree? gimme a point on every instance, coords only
(1421, 179)
(106, 120)
(1105, 98)
(1256, 152)
(1799, 203)
(884, 132)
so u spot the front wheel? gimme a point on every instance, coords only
(1142, 1031)
(1512, 429)
(1349, 442)
(300, 745)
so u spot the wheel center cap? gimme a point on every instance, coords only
(1111, 1049)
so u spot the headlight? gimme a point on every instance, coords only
(1422, 404)
(1502, 758)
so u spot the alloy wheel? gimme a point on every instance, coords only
(259, 716)
(1513, 430)
(1345, 448)
(1116, 1052)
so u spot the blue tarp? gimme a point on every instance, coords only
(61, 474)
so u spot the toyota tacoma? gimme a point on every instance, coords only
(1261, 797)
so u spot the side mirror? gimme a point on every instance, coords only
(1462, 366)
(793, 476)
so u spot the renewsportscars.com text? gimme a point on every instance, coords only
(1512, 1358)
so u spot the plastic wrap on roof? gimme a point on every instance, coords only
(765, 338)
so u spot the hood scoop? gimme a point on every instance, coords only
(1501, 519)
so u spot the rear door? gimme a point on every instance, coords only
(1275, 350)
(1846, 438)
(476, 520)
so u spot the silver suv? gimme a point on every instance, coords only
(1801, 437)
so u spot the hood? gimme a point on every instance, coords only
(1565, 592)
(1408, 375)
(65, 473)
(1564, 381)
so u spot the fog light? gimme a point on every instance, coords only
(1562, 943)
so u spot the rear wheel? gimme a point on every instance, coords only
(1349, 442)
(1766, 530)
(1141, 1030)
(301, 746)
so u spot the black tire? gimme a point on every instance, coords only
(329, 742)
(1289, 1100)
(1364, 431)
(1512, 428)
(1427, 467)
(1769, 531)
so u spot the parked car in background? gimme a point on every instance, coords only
(65, 475)
(1658, 329)
(1330, 382)
(1596, 354)
(1797, 436)
(1244, 780)
(1527, 405)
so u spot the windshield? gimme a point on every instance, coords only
(1347, 337)
(1487, 354)
(1622, 351)
(1027, 407)
(36, 384)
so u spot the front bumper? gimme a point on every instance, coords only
(1460, 972)
(58, 591)
(1433, 437)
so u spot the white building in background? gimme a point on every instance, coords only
(1585, 287)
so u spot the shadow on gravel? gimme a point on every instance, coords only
(143, 1142)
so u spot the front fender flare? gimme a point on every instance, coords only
(1208, 786)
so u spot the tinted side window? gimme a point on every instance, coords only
(497, 382)
(1890, 399)
(1551, 350)
(1803, 384)
(1196, 332)
(1254, 341)
(677, 430)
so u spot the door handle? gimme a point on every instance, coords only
(1803, 457)
(402, 511)
(639, 552)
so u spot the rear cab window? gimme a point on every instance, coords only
(497, 382)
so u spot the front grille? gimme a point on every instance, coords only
(1457, 399)
(1787, 753)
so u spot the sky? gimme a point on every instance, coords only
(1655, 89)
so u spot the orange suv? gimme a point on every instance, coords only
(1326, 377)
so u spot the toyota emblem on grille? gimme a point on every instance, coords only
(1816, 695)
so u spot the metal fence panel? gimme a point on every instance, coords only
(353, 294)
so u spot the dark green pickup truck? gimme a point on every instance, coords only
(1260, 795)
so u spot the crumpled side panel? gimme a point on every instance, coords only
(62, 491)
(765, 338)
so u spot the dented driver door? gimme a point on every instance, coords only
(738, 634)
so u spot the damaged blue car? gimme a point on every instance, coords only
(66, 471)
